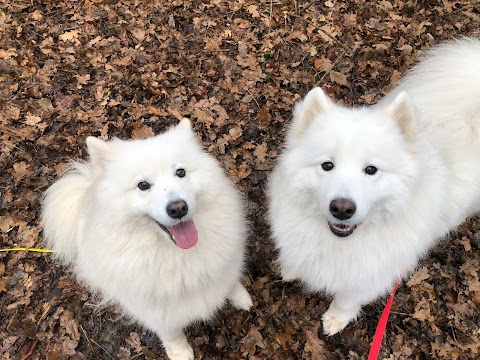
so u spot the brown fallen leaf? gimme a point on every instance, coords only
(314, 346)
(418, 276)
(253, 340)
(141, 131)
(69, 35)
(264, 115)
(338, 77)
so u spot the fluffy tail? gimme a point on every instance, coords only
(62, 211)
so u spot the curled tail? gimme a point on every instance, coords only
(62, 211)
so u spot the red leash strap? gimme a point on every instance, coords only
(382, 324)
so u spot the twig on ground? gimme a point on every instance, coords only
(335, 63)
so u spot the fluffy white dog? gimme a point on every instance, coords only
(155, 226)
(360, 195)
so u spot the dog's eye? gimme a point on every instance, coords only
(180, 172)
(327, 166)
(370, 170)
(143, 185)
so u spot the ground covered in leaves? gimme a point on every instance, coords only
(131, 68)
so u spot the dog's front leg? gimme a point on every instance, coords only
(239, 297)
(342, 310)
(176, 345)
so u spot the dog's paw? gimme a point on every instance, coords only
(180, 353)
(177, 346)
(332, 325)
(334, 320)
(240, 298)
(287, 276)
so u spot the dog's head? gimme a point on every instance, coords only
(159, 179)
(357, 165)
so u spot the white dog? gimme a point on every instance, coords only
(360, 195)
(155, 226)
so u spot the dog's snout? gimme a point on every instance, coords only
(177, 209)
(342, 209)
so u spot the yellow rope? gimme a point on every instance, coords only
(28, 249)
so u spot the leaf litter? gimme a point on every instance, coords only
(122, 68)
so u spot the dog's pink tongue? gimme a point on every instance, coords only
(185, 234)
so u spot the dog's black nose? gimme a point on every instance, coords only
(177, 209)
(342, 209)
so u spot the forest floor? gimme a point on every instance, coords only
(124, 68)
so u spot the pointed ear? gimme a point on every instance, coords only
(185, 124)
(315, 103)
(97, 149)
(403, 112)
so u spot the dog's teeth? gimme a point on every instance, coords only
(342, 227)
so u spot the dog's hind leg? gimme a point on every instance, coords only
(239, 297)
(342, 310)
(176, 345)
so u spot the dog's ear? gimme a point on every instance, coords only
(315, 103)
(97, 149)
(403, 112)
(185, 124)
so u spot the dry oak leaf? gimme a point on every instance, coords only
(70, 324)
(213, 43)
(244, 171)
(7, 54)
(134, 341)
(422, 311)
(36, 121)
(323, 64)
(12, 112)
(139, 34)
(235, 132)
(264, 115)
(418, 276)
(253, 340)
(469, 268)
(338, 77)
(37, 15)
(126, 60)
(68, 346)
(244, 59)
(209, 111)
(69, 35)
(253, 10)
(465, 241)
(141, 131)
(6, 224)
(21, 170)
(328, 32)
(32, 120)
(3, 285)
(152, 110)
(82, 80)
(285, 337)
(314, 345)
(446, 351)
(260, 152)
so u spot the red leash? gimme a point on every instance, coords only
(382, 324)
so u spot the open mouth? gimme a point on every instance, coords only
(342, 230)
(183, 234)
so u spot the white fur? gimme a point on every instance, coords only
(99, 221)
(423, 138)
